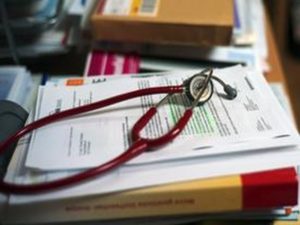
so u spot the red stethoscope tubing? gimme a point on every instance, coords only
(139, 145)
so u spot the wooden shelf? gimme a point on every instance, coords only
(277, 73)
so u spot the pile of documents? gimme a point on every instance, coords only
(248, 47)
(251, 133)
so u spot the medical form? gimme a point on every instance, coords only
(220, 126)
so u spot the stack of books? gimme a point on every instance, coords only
(245, 19)
(188, 184)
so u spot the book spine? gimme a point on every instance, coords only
(265, 190)
(269, 189)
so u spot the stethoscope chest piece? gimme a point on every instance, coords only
(195, 84)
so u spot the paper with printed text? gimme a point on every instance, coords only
(249, 122)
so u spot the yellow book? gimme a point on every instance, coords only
(253, 191)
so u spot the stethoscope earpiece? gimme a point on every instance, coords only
(230, 92)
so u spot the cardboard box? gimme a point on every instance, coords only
(187, 22)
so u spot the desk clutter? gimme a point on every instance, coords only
(168, 21)
(236, 159)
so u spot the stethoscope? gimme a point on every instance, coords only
(198, 88)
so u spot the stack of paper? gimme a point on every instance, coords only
(248, 46)
(221, 126)
(250, 133)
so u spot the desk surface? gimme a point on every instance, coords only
(276, 73)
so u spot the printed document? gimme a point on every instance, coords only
(134, 175)
(252, 121)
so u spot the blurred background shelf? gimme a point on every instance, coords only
(285, 18)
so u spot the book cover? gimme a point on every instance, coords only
(252, 191)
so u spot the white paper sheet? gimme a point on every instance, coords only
(219, 127)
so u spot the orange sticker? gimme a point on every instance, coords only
(74, 82)
(288, 210)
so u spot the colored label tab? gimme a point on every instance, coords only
(135, 5)
(74, 82)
